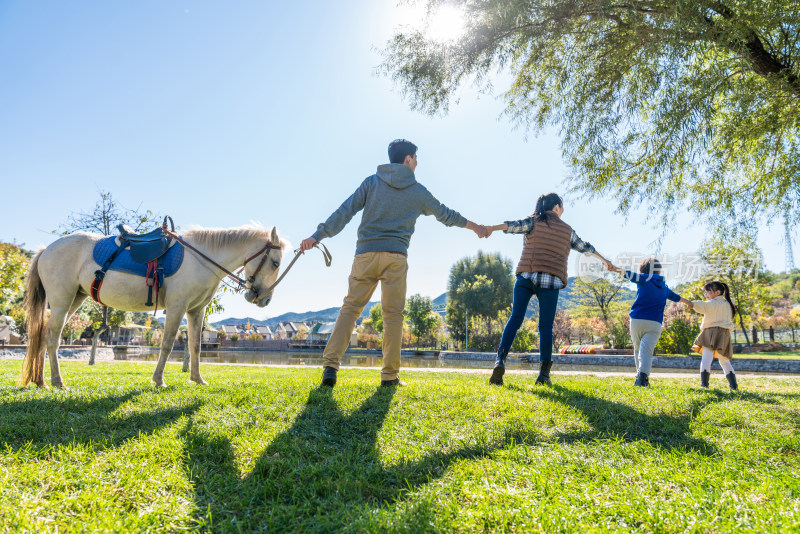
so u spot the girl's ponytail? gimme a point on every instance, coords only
(727, 293)
(544, 204)
(723, 288)
(538, 213)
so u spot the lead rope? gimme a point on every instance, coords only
(297, 253)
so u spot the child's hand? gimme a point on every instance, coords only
(687, 302)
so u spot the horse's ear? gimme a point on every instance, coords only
(274, 237)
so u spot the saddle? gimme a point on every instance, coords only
(145, 247)
(148, 248)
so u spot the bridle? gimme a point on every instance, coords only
(252, 295)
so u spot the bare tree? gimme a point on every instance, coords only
(598, 295)
(105, 216)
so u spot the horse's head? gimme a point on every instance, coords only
(262, 271)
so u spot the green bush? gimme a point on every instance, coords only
(619, 337)
(484, 333)
(678, 336)
(526, 339)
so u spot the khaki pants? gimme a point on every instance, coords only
(369, 268)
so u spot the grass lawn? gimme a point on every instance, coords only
(266, 449)
(782, 355)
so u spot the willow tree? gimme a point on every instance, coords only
(659, 103)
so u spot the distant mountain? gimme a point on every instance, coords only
(327, 315)
(566, 300)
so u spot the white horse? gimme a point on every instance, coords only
(61, 275)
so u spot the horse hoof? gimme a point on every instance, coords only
(160, 385)
(59, 385)
(199, 381)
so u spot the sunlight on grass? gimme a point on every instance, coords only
(267, 449)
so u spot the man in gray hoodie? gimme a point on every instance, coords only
(392, 201)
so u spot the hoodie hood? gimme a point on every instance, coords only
(657, 279)
(396, 175)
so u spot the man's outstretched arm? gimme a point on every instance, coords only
(338, 218)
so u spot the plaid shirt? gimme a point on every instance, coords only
(546, 280)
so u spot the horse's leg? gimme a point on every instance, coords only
(53, 336)
(195, 320)
(171, 324)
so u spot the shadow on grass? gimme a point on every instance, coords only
(46, 422)
(610, 419)
(321, 474)
(749, 396)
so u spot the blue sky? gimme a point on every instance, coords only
(219, 114)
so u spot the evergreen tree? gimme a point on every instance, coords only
(479, 286)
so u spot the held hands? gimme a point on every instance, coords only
(307, 244)
(687, 303)
(608, 265)
(479, 229)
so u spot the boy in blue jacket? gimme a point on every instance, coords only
(647, 313)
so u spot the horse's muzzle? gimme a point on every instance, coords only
(265, 300)
(252, 296)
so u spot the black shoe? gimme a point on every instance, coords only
(391, 383)
(497, 376)
(642, 380)
(732, 381)
(544, 373)
(704, 376)
(499, 367)
(329, 377)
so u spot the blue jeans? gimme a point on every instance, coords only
(548, 300)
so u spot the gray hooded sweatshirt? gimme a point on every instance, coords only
(392, 200)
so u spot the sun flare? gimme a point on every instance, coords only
(446, 24)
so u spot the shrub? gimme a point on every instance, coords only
(484, 333)
(526, 338)
(619, 333)
(679, 333)
(367, 338)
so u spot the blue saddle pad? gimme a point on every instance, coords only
(171, 261)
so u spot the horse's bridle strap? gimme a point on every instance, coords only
(265, 250)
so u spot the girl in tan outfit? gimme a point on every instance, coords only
(715, 331)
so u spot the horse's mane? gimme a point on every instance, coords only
(216, 238)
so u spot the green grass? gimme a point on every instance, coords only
(265, 449)
(779, 355)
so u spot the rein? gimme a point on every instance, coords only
(242, 283)
(264, 250)
(297, 253)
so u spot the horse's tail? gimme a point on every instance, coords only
(35, 303)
